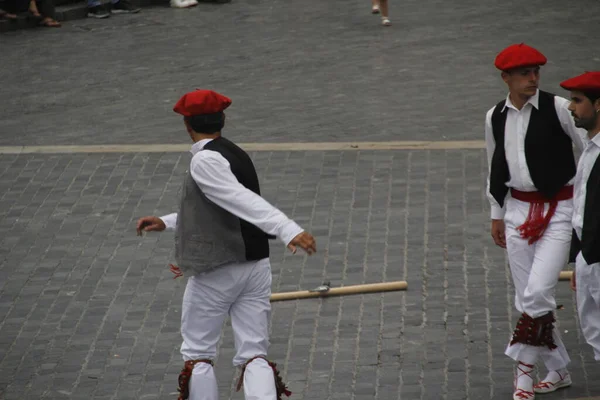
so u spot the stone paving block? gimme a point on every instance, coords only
(77, 287)
(307, 97)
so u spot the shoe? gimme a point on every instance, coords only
(521, 394)
(385, 21)
(124, 7)
(375, 10)
(524, 382)
(553, 381)
(183, 3)
(97, 12)
(7, 15)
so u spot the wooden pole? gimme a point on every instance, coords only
(565, 275)
(340, 291)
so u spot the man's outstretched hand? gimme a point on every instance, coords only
(148, 224)
(305, 241)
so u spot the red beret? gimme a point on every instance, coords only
(518, 55)
(201, 102)
(587, 82)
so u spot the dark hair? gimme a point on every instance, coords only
(207, 123)
(592, 95)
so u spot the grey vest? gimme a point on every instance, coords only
(206, 236)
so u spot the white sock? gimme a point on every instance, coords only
(524, 380)
(203, 383)
(259, 381)
(555, 376)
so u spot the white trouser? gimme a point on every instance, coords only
(535, 271)
(242, 291)
(588, 302)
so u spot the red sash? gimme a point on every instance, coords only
(536, 223)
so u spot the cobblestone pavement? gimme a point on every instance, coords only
(88, 310)
(309, 70)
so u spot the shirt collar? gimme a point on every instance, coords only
(196, 147)
(533, 100)
(595, 140)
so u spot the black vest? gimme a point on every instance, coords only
(548, 151)
(255, 240)
(589, 243)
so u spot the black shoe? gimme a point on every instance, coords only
(124, 7)
(97, 12)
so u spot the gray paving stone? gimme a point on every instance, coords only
(416, 80)
(89, 310)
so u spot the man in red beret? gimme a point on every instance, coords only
(221, 242)
(529, 137)
(585, 108)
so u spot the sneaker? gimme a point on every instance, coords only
(386, 21)
(97, 12)
(183, 3)
(124, 7)
(375, 10)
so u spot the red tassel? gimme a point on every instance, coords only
(536, 223)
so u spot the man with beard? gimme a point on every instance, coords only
(529, 140)
(221, 242)
(585, 108)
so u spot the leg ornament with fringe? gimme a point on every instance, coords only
(186, 374)
(279, 385)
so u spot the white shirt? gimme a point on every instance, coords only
(584, 168)
(212, 173)
(517, 122)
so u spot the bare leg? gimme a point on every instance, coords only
(47, 20)
(33, 8)
(384, 13)
(383, 4)
(375, 6)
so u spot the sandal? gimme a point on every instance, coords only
(7, 15)
(35, 16)
(50, 23)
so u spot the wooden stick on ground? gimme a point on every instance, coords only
(565, 275)
(340, 291)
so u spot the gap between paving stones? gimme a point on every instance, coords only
(313, 146)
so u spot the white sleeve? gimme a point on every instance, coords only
(497, 212)
(170, 221)
(212, 173)
(577, 135)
